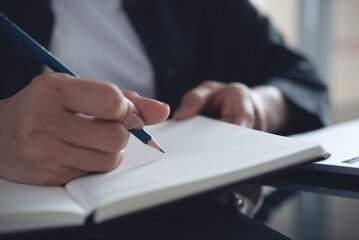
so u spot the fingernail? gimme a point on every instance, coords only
(136, 122)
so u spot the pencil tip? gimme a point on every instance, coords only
(155, 145)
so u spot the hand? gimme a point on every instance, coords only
(262, 108)
(60, 127)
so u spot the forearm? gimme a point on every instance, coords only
(272, 107)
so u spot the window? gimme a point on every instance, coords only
(327, 32)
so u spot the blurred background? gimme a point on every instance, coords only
(327, 31)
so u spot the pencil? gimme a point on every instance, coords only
(27, 42)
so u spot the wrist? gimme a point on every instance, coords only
(261, 122)
(272, 108)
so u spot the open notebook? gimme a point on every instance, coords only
(201, 154)
(341, 141)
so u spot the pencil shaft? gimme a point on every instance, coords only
(142, 135)
(32, 46)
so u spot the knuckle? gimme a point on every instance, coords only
(34, 149)
(32, 153)
(192, 96)
(212, 84)
(250, 119)
(208, 83)
(28, 124)
(48, 85)
(118, 136)
(39, 79)
(28, 152)
(112, 161)
(236, 89)
(36, 89)
(41, 82)
(43, 177)
(31, 138)
(237, 85)
(113, 100)
(130, 93)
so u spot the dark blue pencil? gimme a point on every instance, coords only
(27, 42)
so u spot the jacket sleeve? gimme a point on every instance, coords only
(258, 56)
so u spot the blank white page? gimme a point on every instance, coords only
(24, 206)
(201, 154)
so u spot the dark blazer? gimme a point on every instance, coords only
(188, 41)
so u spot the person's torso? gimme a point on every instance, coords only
(97, 41)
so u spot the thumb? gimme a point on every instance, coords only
(148, 110)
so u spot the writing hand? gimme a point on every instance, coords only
(60, 127)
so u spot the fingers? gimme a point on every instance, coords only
(233, 103)
(150, 110)
(54, 175)
(100, 99)
(89, 160)
(197, 99)
(237, 105)
(84, 131)
(60, 127)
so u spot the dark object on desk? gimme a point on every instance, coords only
(51, 61)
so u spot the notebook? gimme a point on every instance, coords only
(342, 142)
(202, 154)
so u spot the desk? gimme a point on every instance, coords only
(316, 216)
(313, 205)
